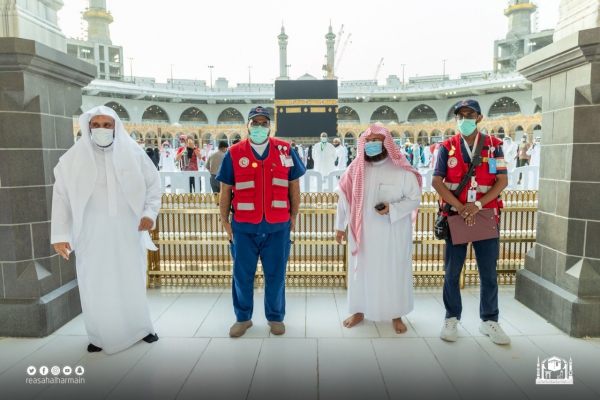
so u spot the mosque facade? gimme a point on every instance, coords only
(420, 109)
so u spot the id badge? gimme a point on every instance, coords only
(472, 195)
(492, 164)
(282, 158)
(289, 162)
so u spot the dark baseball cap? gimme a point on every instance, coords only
(472, 104)
(256, 111)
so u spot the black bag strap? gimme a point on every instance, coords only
(475, 162)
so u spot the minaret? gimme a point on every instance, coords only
(98, 20)
(519, 17)
(283, 54)
(329, 67)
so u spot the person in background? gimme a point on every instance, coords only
(310, 162)
(534, 161)
(167, 161)
(342, 154)
(523, 156)
(150, 154)
(213, 163)
(190, 155)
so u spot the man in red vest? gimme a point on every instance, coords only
(483, 191)
(260, 184)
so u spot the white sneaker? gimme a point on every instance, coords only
(449, 331)
(494, 331)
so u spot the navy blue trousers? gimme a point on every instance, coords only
(486, 253)
(274, 251)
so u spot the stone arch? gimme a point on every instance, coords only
(395, 134)
(221, 136)
(450, 116)
(504, 106)
(423, 137)
(348, 115)
(230, 116)
(193, 116)
(436, 136)
(150, 139)
(422, 113)
(167, 137)
(155, 114)
(384, 114)
(120, 110)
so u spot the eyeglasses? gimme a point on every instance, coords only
(460, 117)
(256, 124)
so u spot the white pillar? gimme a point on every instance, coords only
(283, 54)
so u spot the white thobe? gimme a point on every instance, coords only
(167, 160)
(534, 152)
(383, 286)
(324, 156)
(427, 154)
(111, 259)
(510, 150)
(342, 156)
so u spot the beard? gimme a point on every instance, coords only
(379, 157)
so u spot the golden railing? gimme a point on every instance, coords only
(194, 248)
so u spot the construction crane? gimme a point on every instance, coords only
(377, 70)
(339, 39)
(339, 59)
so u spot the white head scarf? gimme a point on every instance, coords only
(78, 168)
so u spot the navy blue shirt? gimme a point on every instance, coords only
(227, 176)
(441, 166)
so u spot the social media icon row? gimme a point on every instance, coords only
(79, 370)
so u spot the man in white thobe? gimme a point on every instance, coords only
(534, 161)
(324, 155)
(378, 197)
(106, 197)
(427, 154)
(341, 154)
(510, 149)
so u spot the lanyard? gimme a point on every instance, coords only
(469, 151)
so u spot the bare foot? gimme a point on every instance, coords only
(399, 325)
(353, 320)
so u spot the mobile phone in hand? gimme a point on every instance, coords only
(380, 207)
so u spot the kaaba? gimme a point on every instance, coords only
(306, 108)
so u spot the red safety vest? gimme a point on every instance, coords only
(457, 168)
(261, 187)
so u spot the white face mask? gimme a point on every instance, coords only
(102, 137)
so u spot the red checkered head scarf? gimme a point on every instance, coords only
(352, 183)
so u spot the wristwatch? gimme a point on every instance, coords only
(478, 204)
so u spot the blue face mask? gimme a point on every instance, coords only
(259, 134)
(373, 148)
(467, 126)
(324, 139)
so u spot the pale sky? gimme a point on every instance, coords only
(234, 34)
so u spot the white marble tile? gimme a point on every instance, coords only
(159, 302)
(295, 316)
(204, 289)
(411, 371)
(102, 373)
(585, 356)
(348, 369)
(224, 370)
(427, 319)
(60, 351)
(522, 318)
(14, 350)
(76, 326)
(185, 315)
(286, 366)
(221, 317)
(364, 329)
(322, 318)
(519, 359)
(162, 371)
(472, 371)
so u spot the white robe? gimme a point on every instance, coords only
(383, 287)
(510, 150)
(111, 254)
(324, 155)
(427, 154)
(342, 156)
(534, 152)
(167, 160)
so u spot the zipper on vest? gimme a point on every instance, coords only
(262, 165)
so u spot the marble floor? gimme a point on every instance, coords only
(315, 359)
